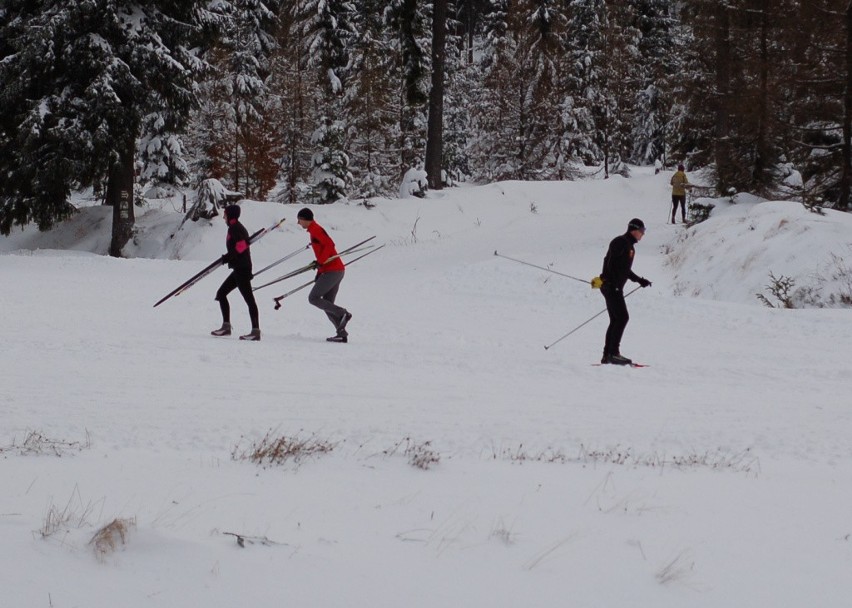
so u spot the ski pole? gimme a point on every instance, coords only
(561, 274)
(313, 265)
(284, 259)
(549, 346)
(301, 287)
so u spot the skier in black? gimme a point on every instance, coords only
(617, 266)
(238, 259)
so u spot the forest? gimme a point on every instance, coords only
(316, 101)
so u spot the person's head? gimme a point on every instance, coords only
(232, 213)
(680, 167)
(636, 227)
(305, 217)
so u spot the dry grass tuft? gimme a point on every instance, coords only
(111, 536)
(278, 450)
(36, 443)
(420, 455)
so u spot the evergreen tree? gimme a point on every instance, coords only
(328, 33)
(371, 105)
(660, 74)
(80, 77)
(408, 25)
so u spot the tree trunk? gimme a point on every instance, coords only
(434, 139)
(722, 151)
(119, 194)
(845, 177)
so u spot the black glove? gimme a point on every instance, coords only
(644, 282)
(224, 258)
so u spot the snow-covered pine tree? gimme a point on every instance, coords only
(328, 34)
(80, 76)
(661, 73)
(409, 33)
(371, 105)
(518, 133)
(230, 139)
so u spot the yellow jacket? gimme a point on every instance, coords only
(679, 183)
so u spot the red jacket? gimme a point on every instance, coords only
(323, 248)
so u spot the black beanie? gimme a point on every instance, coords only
(636, 224)
(232, 212)
(305, 214)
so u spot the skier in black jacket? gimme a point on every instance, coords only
(617, 266)
(238, 259)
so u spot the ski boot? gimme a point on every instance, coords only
(342, 339)
(225, 330)
(253, 336)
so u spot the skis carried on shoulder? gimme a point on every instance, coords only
(309, 283)
(313, 265)
(214, 265)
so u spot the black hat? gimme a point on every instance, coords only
(232, 212)
(636, 224)
(680, 167)
(305, 214)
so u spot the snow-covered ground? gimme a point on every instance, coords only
(721, 475)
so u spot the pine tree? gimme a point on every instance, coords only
(327, 28)
(371, 105)
(80, 77)
(408, 26)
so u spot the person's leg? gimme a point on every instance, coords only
(674, 207)
(618, 318)
(323, 294)
(227, 287)
(683, 208)
(244, 286)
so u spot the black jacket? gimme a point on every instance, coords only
(618, 262)
(239, 252)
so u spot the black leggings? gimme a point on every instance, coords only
(241, 281)
(618, 318)
(679, 198)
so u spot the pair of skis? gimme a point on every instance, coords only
(214, 265)
(312, 265)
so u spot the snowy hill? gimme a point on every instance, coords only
(455, 462)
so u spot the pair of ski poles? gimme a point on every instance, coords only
(562, 274)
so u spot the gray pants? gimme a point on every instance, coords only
(323, 294)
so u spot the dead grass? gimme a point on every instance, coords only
(420, 455)
(37, 443)
(274, 449)
(111, 536)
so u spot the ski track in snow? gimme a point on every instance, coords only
(446, 348)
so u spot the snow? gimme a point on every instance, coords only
(718, 476)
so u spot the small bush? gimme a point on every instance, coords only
(278, 450)
(780, 288)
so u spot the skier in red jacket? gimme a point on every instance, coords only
(330, 271)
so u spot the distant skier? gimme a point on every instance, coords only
(617, 266)
(238, 259)
(329, 275)
(679, 187)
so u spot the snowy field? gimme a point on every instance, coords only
(720, 475)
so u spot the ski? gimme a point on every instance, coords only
(214, 265)
(313, 265)
(311, 282)
(617, 365)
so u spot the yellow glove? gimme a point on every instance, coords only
(596, 283)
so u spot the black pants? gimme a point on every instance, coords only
(679, 198)
(618, 318)
(241, 281)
